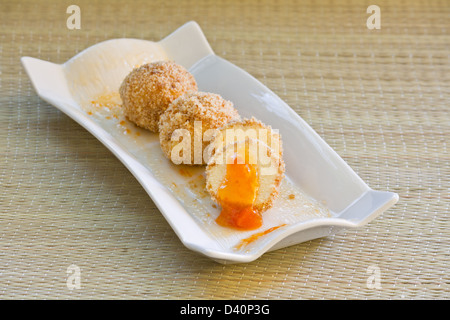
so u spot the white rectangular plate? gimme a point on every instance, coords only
(328, 194)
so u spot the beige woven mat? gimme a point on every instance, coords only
(380, 98)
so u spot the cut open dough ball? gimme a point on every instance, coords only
(256, 185)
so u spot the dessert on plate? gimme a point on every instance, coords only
(243, 157)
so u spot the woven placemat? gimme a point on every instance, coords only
(70, 210)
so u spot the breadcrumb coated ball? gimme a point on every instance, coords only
(148, 90)
(193, 114)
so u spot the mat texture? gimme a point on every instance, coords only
(380, 98)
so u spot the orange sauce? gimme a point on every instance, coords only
(237, 194)
(185, 172)
(256, 236)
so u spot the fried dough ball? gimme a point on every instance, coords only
(187, 126)
(148, 90)
(263, 147)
